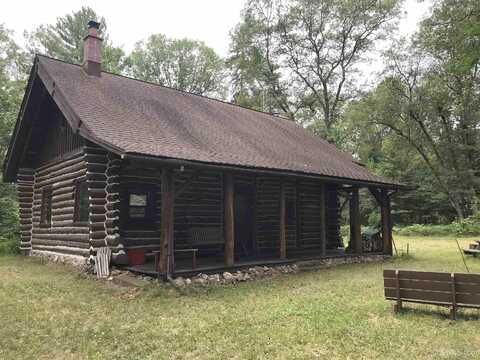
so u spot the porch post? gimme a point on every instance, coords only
(283, 222)
(323, 219)
(166, 247)
(229, 226)
(386, 219)
(355, 230)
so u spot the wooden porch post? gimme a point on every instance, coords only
(166, 265)
(323, 219)
(386, 218)
(229, 226)
(355, 230)
(283, 222)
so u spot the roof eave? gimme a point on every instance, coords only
(281, 172)
(8, 168)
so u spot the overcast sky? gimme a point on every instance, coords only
(128, 22)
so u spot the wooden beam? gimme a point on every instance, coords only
(323, 219)
(229, 224)
(166, 264)
(283, 222)
(386, 219)
(355, 229)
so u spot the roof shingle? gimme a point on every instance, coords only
(136, 117)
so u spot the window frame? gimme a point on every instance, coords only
(76, 198)
(147, 221)
(46, 207)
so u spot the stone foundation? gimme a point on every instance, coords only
(334, 261)
(78, 262)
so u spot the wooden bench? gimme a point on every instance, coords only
(453, 290)
(205, 237)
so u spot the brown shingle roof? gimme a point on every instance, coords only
(133, 116)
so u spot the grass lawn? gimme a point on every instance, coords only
(49, 312)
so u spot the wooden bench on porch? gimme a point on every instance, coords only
(198, 237)
(453, 290)
(206, 236)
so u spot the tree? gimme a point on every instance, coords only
(64, 40)
(429, 104)
(183, 64)
(13, 65)
(304, 54)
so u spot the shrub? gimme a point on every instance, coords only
(8, 247)
(466, 227)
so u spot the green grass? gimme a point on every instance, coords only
(49, 312)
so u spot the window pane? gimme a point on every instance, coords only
(82, 202)
(46, 210)
(138, 200)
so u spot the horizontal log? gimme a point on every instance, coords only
(61, 180)
(74, 168)
(62, 230)
(78, 157)
(70, 183)
(97, 234)
(96, 176)
(65, 243)
(97, 167)
(95, 159)
(62, 210)
(62, 249)
(96, 218)
(61, 217)
(71, 237)
(97, 193)
(97, 209)
(63, 204)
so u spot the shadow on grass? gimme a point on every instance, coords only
(439, 312)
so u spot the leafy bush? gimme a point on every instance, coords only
(466, 227)
(8, 247)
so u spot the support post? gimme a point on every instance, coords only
(283, 222)
(323, 219)
(355, 229)
(386, 223)
(166, 265)
(229, 225)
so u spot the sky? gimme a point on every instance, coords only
(128, 22)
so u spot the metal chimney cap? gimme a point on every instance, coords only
(93, 24)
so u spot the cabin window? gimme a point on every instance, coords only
(141, 205)
(46, 210)
(82, 205)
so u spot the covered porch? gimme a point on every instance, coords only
(214, 219)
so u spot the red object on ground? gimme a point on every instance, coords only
(136, 257)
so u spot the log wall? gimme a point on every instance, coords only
(25, 181)
(63, 235)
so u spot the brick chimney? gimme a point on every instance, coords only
(92, 50)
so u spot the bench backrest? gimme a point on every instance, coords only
(460, 289)
(206, 235)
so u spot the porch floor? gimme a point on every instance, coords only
(183, 267)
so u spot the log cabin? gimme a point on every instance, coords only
(103, 160)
